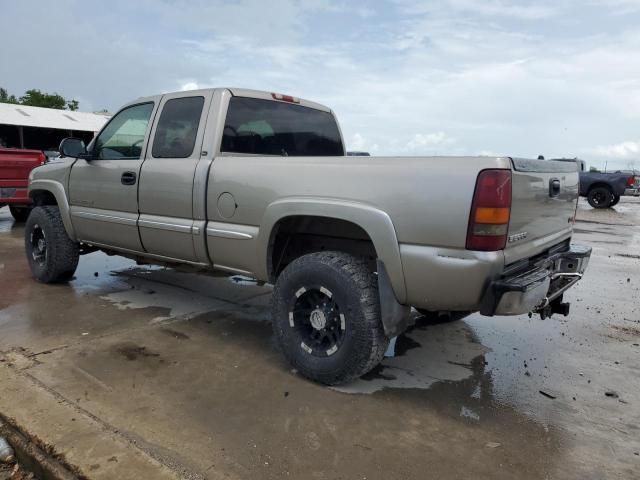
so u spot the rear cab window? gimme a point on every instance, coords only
(266, 127)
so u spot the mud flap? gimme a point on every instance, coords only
(395, 316)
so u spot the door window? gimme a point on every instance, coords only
(177, 128)
(123, 136)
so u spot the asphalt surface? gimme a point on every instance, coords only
(181, 371)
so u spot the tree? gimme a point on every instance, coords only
(37, 98)
(593, 169)
(6, 98)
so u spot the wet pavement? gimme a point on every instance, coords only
(183, 369)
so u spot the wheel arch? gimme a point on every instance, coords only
(375, 223)
(600, 184)
(50, 192)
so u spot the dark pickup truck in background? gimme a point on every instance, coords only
(602, 189)
(15, 166)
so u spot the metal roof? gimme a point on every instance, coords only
(11, 114)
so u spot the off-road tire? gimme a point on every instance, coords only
(600, 197)
(354, 291)
(20, 214)
(614, 202)
(61, 254)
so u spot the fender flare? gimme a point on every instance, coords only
(375, 222)
(57, 190)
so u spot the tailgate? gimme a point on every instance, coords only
(15, 166)
(543, 206)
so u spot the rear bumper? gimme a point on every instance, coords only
(536, 287)
(633, 191)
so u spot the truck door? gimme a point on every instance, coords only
(103, 191)
(166, 189)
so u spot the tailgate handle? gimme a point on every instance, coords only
(554, 187)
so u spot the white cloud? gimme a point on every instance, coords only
(530, 11)
(189, 86)
(356, 142)
(624, 150)
(437, 142)
(559, 78)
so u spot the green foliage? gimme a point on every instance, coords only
(6, 98)
(36, 98)
(593, 169)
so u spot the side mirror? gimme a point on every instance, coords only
(72, 147)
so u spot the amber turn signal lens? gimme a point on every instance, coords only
(492, 215)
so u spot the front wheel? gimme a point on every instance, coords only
(20, 214)
(600, 197)
(326, 317)
(52, 255)
(614, 202)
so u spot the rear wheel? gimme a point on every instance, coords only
(600, 197)
(614, 202)
(20, 214)
(52, 255)
(326, 317)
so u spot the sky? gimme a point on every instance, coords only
(405, 77)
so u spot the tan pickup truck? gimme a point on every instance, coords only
(257, 183)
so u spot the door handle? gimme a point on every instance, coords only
(128, 178)
(554, 187)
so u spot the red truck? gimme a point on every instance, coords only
(15, 166)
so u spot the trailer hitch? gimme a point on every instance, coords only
(555, 306)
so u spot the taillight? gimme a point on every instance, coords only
(285, 98)
(631, 181)
(490, 211)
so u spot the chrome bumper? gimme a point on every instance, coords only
(536, 288)
(632, 192)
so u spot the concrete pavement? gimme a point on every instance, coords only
(177, 374)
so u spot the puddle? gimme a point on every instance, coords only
(177, 302)
(242, 280)
(466, 412)
(421, 357)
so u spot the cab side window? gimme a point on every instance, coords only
(123, 136)
(177, 128)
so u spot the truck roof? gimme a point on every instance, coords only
(246, 92)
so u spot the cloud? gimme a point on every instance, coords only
(623, 150)
(357, 143)
(491, 8)
(431, 142)
(189, 86)
(487, 8)
(559, 78)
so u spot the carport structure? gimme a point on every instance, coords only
(42, 128)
